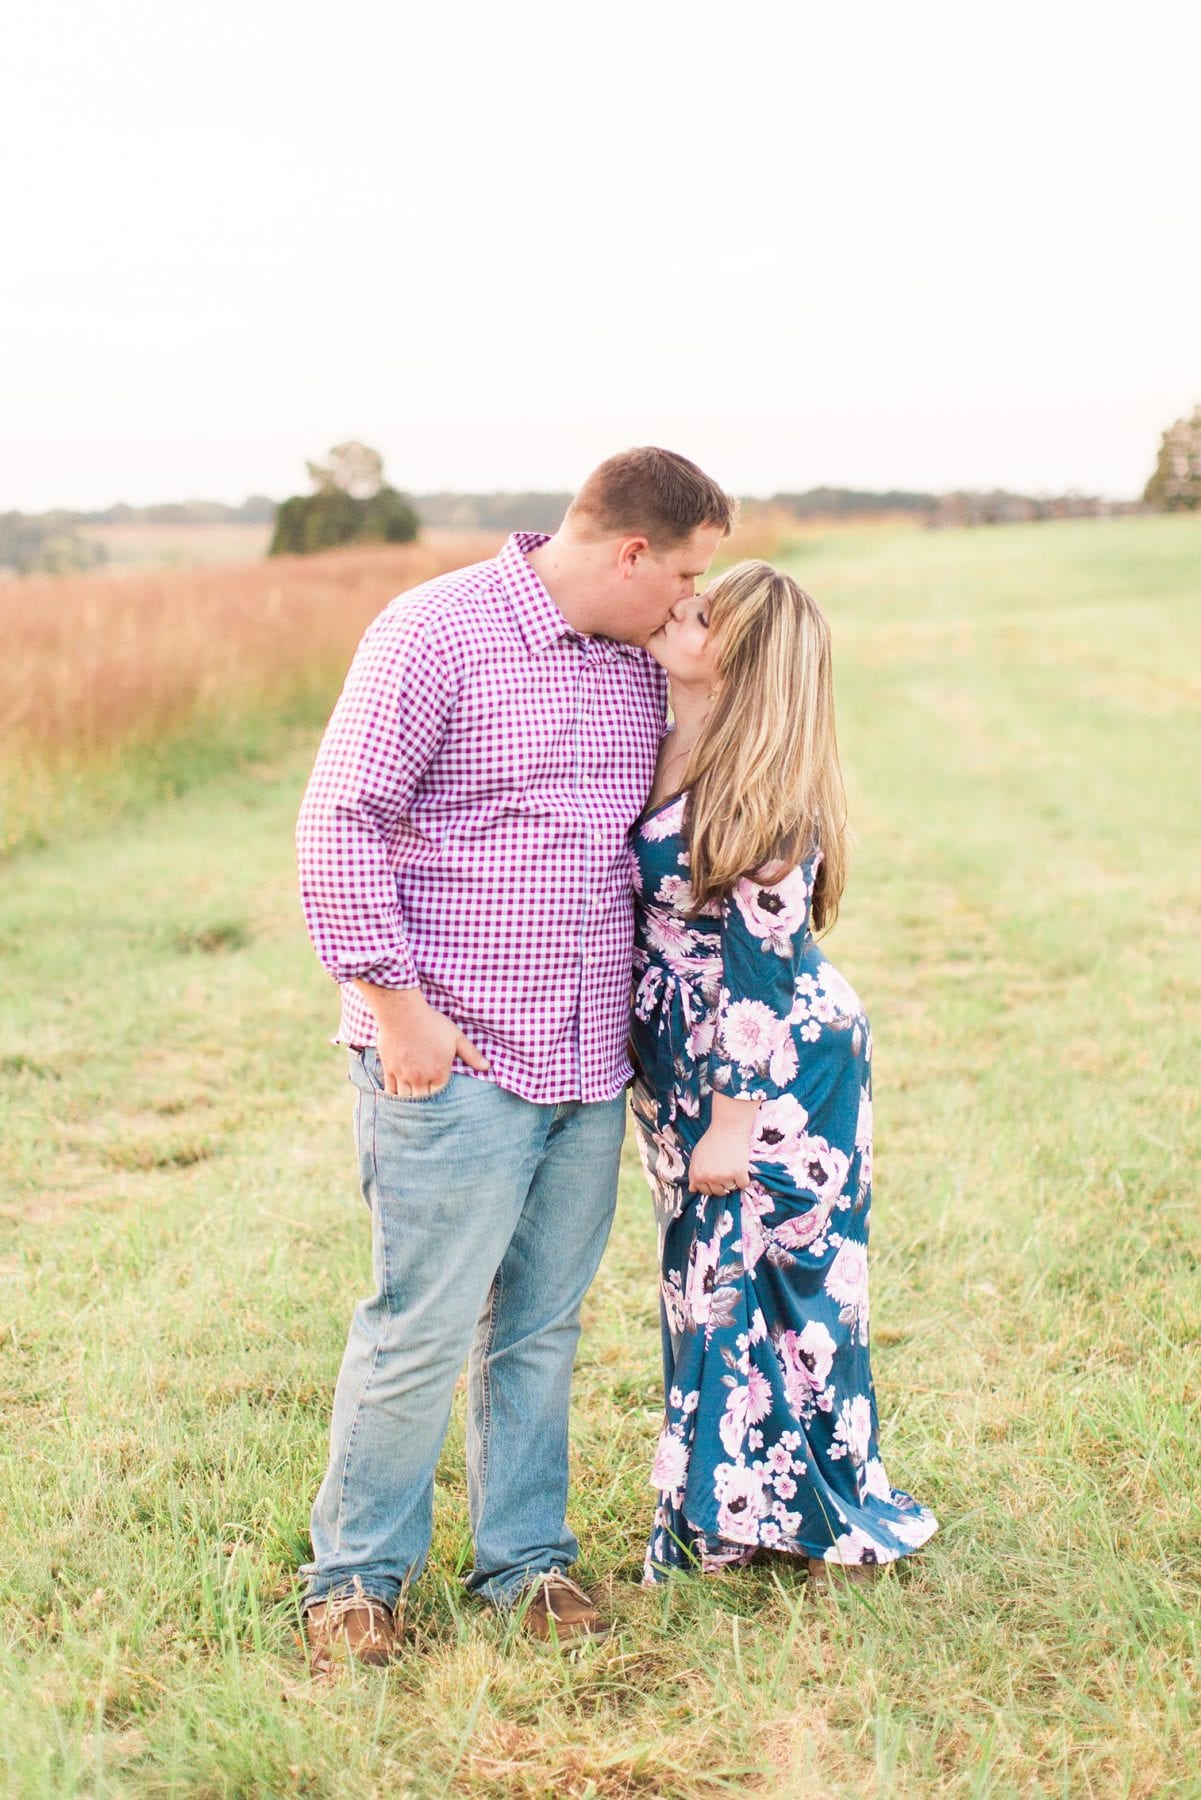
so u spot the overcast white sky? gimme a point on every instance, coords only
(945, 244)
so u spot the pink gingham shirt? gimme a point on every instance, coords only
(465, 827)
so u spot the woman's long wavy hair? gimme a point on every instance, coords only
(764, 782)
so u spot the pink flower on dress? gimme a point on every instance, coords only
(875, 1482)
(852, 1428)
(742, 1503)
(758, 1395)
(731, 1427)
(675, 892)
(745, 1406)
(668, 937)
(749, 1032)
(783, 1065)
(842, 1002)
(779, 1129)
(806, 1357)
(803, 1228)
(846, 1282)
(846, 1279)
(670, 1469)
(854, 1546)
(818, 1167)
(774, 911)
(665, 823)
(817, 1349)
(803, 997)
(702, 1273)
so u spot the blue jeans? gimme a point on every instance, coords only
(489, 1215)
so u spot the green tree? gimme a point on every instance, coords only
(352, 504)
(389, 518)
(1175, 484)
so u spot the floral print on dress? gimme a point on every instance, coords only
(770, 1432)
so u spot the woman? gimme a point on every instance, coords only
(753, 1104)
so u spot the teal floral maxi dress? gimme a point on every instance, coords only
(770, 1432)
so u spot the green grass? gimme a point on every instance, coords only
(43, 804)
(181, 1245)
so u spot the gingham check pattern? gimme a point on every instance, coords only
(465, 826)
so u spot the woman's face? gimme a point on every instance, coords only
(684, 644)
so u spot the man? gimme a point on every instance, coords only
(464, 872)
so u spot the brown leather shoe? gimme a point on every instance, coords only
(826, 1576)
(353, 1628)
(559, 1610)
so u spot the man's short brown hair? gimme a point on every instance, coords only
(650, 493)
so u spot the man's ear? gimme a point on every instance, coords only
(628, 553)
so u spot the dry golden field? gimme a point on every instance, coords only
(95, 662)
(178, 546)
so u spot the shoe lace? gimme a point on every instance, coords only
(555, 1578)
(340, 1608)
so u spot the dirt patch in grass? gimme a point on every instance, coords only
(212, 940)
(143, 1154)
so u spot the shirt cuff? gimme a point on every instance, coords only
(395, 971)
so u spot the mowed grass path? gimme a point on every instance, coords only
(182, 1245)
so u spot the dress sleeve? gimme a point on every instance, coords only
(383, 735)
(764, 933)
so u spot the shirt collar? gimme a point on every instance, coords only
(538, 618)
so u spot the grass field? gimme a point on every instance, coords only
(181, 1245)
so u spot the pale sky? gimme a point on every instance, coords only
(938, 245)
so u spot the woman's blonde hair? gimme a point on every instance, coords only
(764, 782)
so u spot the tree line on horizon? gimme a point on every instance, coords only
(351, 503)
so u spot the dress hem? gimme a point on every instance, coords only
(793, 1547)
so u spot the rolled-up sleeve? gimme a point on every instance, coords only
(382, 737)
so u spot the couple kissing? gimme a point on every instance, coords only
(574, 825)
